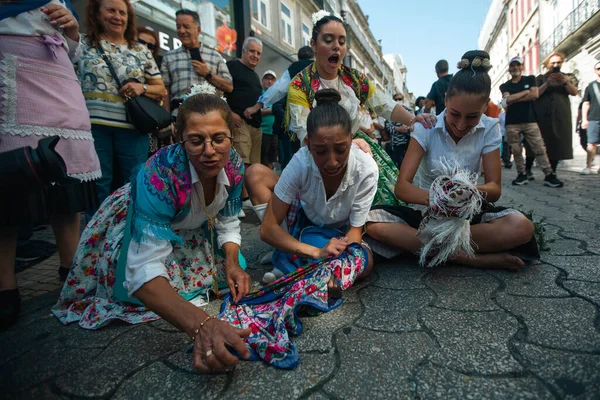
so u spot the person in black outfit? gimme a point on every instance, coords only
(277, 94)
(518, 94)
(437, 94)
(247, 136)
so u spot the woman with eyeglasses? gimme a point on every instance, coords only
(111, 39)
(170, 235)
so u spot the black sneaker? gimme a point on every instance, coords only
(552, 181)
(530, 176)
(521, 180)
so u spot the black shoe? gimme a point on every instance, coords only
(521, 180)
(508, 164)
(552, 181)
(10, 307)
(530, 176)
(62, 273)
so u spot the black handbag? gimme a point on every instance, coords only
(146, 115)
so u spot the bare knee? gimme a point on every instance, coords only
(369, 268)
(522, 228)
(260, 183)
(374, 229)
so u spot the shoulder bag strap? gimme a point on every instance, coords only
(109, 65)
(596, 91)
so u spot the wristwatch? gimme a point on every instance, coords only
(145, 87)
(208, 76)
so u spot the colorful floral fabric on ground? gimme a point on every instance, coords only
(88, 293)
(272, 312)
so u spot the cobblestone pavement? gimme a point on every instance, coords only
(405, 333)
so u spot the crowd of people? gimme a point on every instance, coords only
(357, 166)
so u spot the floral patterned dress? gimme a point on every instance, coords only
(160, 195)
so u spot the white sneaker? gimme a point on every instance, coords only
(267, 258)
(242, 214)
(272, 276)
(585, 171)
(247, 204)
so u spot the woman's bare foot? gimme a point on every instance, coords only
(335, 291)
(491, 261)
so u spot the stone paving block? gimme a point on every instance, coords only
(565, 247)
(17, 342)
(573, 225)
(563, 323)
(589, 290)
(434, 382)
(399, 277)
(318, 331)
(472, 342)
(532, 280)
(572, 375)
(471, 293)
(257, 380)
(592, 241)
(124, 356)
(377, 364)
(352, 294)
(43, 391)
(157, 381)
(583, 268)
(393, 310)
(41, 363)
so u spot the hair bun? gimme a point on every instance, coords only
(476, 60)
(327, 96)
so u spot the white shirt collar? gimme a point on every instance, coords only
(222, 178)
(440, 125)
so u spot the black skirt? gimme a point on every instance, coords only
(21, 206)
(528, 251)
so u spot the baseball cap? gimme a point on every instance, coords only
(269, 72)
(518, 59)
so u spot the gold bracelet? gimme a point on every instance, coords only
(412, 120)
(197, 330)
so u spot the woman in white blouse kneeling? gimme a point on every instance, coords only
(170, 235)
(331, 181)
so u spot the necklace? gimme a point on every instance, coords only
(211, 224)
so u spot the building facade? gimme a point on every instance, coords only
(534, 29)
(399, 71)
(493, 38)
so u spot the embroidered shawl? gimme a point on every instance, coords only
(306, 83)
(161, 193)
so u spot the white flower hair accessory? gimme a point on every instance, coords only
(319, 15)
(202, 88)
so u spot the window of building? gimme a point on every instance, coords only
(522, 10)
(261, 13)
(512, 23)
(517, 20)
(287, 24)
(305, 35)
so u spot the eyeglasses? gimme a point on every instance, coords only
(398, 99)
(150, 46)
(197, 144)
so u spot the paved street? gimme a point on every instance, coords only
(405, 333)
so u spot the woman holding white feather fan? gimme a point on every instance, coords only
(451, 218)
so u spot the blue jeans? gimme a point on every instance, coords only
(127, 147)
